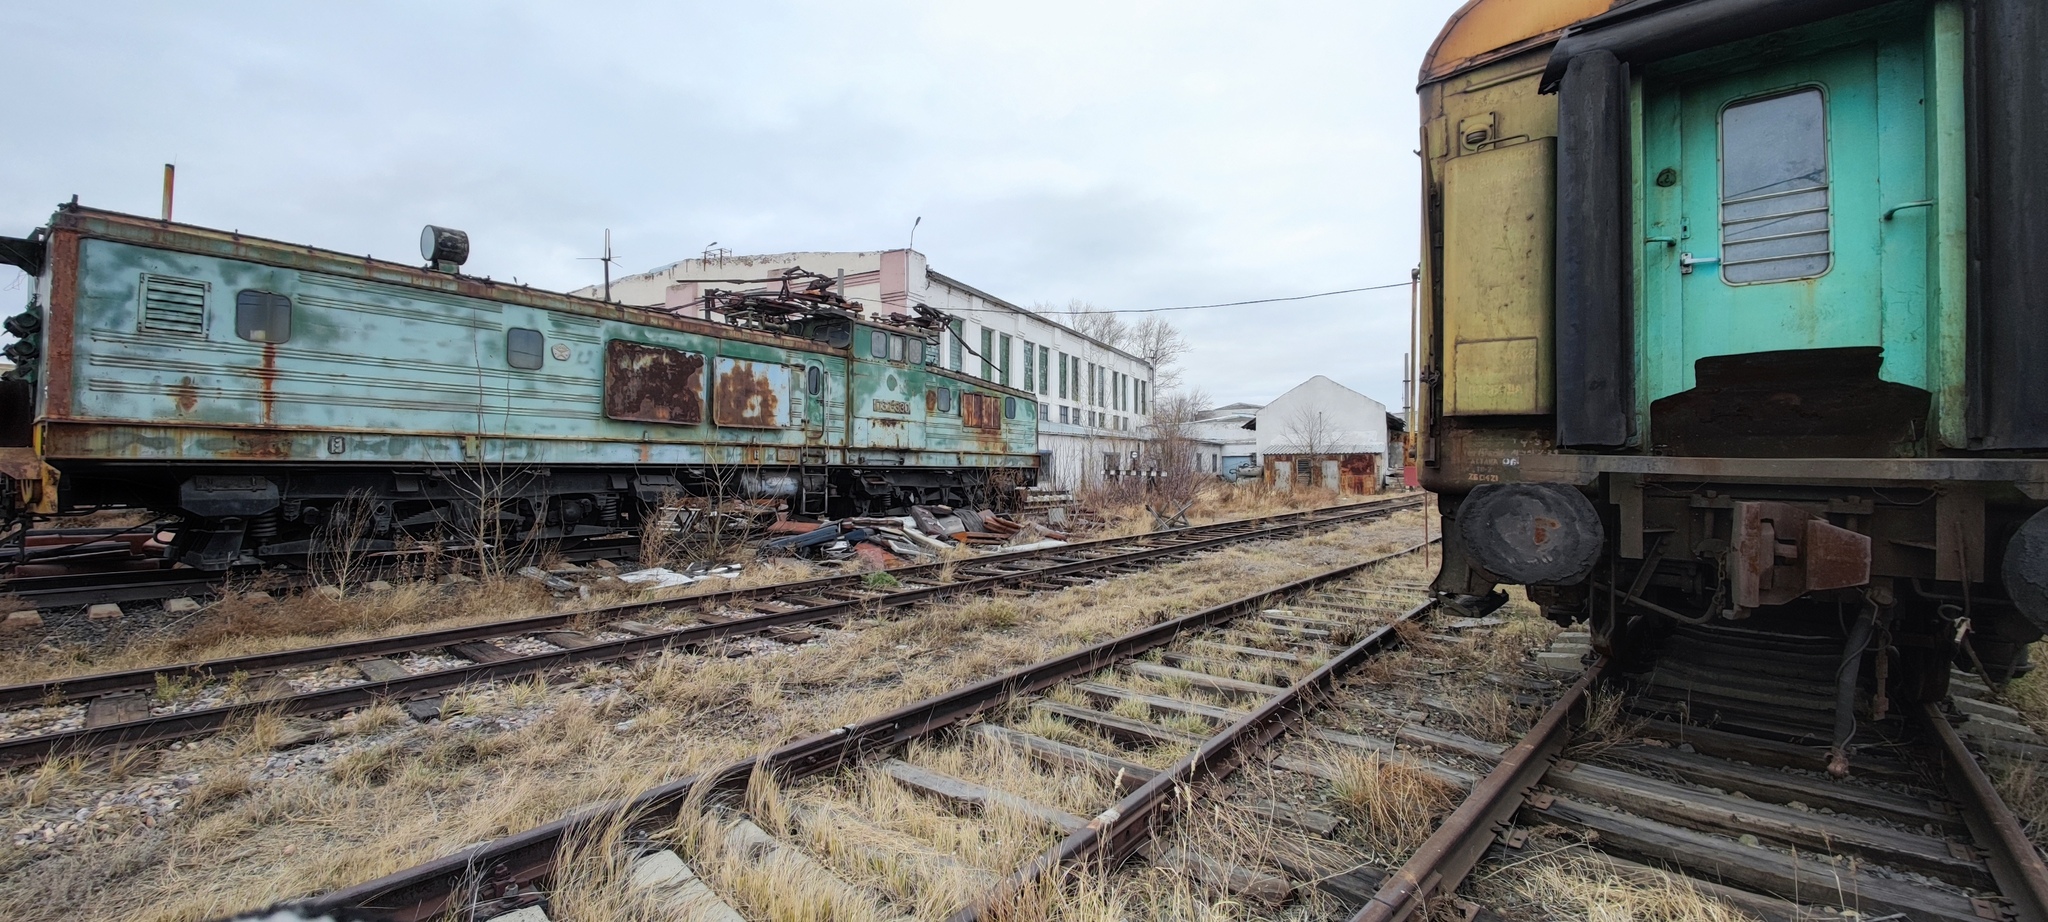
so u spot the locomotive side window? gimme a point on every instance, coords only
(1774, 189)
(525, 348)
(814, 380)
(897, 348)
(263, 316)
(942, 399)
(878, 344)
(1009, 408)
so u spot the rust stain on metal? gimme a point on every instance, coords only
(744, 397)
(981, 411)
(58, 318)
(1779, 552)
(254, 446)
(1359, 473)
(653, 384)
(268, 375)
(186, 393)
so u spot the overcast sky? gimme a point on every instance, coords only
(1129, 155)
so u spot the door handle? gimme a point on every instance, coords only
(1666, 241)
(1686, 261)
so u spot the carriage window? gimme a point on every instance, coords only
(263, 316)
(814, 380)
(524, 348)
(1774, 189)
(878, 344)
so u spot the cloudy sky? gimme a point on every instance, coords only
(1132, 155)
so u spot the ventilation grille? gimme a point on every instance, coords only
(173, 305)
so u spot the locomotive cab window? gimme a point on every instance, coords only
(942, 399)
(1774, 189)
(878, 344)
(814, 380)
(263, 316)
(897, 348)
(525, 348)
(1009, 408)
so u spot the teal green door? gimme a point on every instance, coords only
(1764, 211)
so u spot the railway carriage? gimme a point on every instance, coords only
(258, 392)
(1732, 325)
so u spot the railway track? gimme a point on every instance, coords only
(95, 712)
(1918, 833)
(1301, 633)
(125, 574)
(1266, 749)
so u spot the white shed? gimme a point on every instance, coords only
(1325, 434)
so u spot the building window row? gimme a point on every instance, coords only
(1081, 381)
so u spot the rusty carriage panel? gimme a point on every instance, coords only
(756, 395)
(981, 411)
(653, 384)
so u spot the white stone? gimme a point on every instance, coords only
(528, 914)
(105, 611)
(332, 592)
(1560, 662)
(180, 606)
(377, 585)
(22, 620)
(258, 596)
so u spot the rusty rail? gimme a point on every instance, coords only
(1120, 831)
(2014, 862)
(31, 749)
(76, 688)
(1442, 862)
(498, 875)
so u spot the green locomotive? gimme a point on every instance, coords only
(255, 390)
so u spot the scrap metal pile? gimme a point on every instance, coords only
(924, 534)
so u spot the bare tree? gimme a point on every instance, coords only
(1173, 437)
(1103, 325)
(1161, 345)
(1310, 433)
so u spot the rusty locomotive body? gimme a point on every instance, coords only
(1732, 329)
(261, 394)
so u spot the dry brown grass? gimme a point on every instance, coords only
(1124, 513)
(235, 626)
(1395, 802)
(2029, 693)
(1578, 884)
(409, 793)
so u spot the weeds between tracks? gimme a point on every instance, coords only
(387, 794)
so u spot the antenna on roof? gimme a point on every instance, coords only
(607, 260)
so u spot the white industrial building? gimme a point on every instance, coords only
(1324, 434)
(1094, 399)
(1224, 428)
